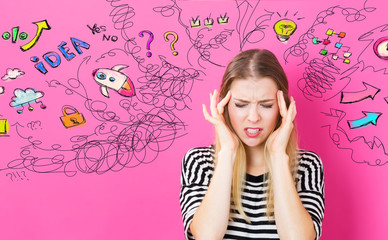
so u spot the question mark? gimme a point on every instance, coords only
(24, 173)
(150, 39)
(175, 53)
(9, 174)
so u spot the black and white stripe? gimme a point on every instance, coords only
(198, 168)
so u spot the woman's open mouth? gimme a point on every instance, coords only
(252, 132)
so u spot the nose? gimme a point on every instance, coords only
(253, 115)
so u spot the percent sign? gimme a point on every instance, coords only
(15, 35)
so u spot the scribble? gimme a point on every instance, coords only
(318, 78)
(74, 84)
(168, 87)
(247, 33)
(122, 15)
(147, 127)
(204, 49)
(139, 142)
(362, 151)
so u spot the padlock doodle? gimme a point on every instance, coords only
(114, 79)
(72, 119)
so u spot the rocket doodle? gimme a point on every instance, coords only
(114, 79)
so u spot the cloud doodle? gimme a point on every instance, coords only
(12, 74)
(26, 97)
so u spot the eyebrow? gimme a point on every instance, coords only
(261, 101)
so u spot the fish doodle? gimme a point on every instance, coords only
(114, 79)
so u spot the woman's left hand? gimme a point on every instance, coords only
(278, 140)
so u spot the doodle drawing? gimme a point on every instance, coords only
(73, 118)
(4, 127)
(26, 97)
(114, 79)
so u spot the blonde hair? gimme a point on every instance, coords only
(256, 63)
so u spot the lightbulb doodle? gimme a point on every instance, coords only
(26, 97)
(284, 28)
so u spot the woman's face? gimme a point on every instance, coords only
(253, 109)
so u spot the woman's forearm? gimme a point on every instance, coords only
(292, 219)
(211, 218)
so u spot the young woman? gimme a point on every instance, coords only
(254, 182)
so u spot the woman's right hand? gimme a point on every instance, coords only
(227, 139)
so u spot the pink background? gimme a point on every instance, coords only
(42, 200)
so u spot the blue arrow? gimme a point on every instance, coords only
(370, 118)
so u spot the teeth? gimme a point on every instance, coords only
(253, 130)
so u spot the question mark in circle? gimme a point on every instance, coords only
(175, 53)
(150, 39)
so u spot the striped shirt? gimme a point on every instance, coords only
(197, 171)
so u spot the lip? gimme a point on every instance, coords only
(252, 135)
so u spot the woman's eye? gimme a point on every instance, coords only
(101, 76)
(240, 105)
(267, 106)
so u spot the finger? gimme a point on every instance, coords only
(291, 113)
(221, 105)
(282, 104)
(206, 114)
(213, 103)
(293, 105)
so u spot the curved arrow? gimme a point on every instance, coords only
(370, 118)
(352, 97)
(42, 25)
